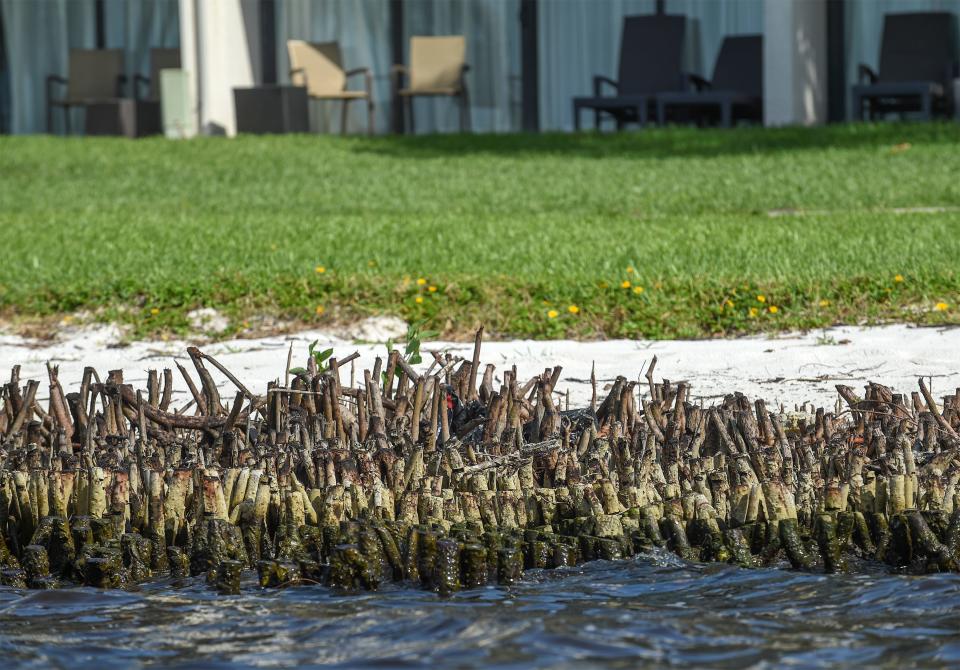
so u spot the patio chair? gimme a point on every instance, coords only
(735, 90)
(94, 76)
(918, 59)
(651, 62)
(319, 67)
(160, 59)
(437, 67)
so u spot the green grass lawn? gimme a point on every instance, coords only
(667, 233)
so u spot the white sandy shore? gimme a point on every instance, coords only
(787, 369)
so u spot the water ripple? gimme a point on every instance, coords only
(653, 611)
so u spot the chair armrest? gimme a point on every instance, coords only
(865, 73)
(367, 76)
(699, 83)
(599, 80)
(53, 79)
(397, 72)
(139, 79)
(298, 76)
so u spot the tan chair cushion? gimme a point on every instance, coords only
(321, 65)
(342, 95)
(436, 63)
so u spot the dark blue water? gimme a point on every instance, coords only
(652, 611)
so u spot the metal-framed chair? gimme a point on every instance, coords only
(94, 76)
(319, 67)
(437, 68)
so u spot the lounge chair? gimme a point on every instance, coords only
(437, 68)
(319, 67)
(94, 76)
(651, 62)
(735, 90)
(918, 59)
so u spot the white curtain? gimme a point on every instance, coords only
(38, 37)
(709, 21)
(863, 23)
(578, 39)
(492, 30)
(362, 27)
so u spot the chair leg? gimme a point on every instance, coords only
(413, 130)
(465, 111)
(661, 112)
(343, 116)
(369, 117)
(576, 117)
(926, 106)
(726, 114)
(66, 120)
(642, 114)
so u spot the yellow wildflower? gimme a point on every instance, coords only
(630, 271)
(320, 310)
(553, 314)
(773, 309)
(320, 269)
(898, 278)
(573, 309)
(753, 312)
(432, 289)
(603, 284)
(942, 307)
(729, 303)
(625, 283)
(761, 298)
(154, 311)
(418, 299)
(824, 303)
(638, 290)
(421, 281)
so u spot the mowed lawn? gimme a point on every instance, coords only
(665, 233)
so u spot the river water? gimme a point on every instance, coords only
(650, 611)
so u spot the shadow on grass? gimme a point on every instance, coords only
(662, 142)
